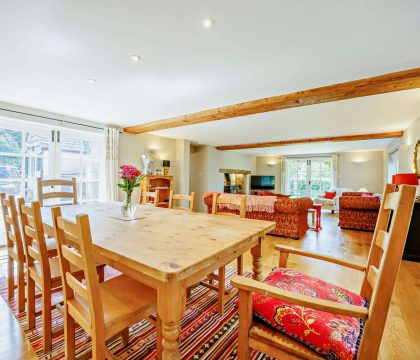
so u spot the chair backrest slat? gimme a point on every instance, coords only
(33, 230)
(52, 183)
(384, 262)
(238, 201)
(75, 248)
(181, 197)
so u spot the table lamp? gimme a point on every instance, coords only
(166, 165)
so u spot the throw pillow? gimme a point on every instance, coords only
(330, 195)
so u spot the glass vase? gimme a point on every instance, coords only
(128, 208)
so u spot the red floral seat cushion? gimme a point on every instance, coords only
(333, 336)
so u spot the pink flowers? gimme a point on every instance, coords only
(129, 172)
(130, 176)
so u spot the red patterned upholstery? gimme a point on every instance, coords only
(358, 211)
(333, 336)
(290, 215)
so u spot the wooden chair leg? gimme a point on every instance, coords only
(46, 319)
(245, 322)
(188, 292)
(221, 285)
(69, 337)
(125, 335)
(240, 265)
(21, 287)
(30, 313)
(10, 278)
(283, 259)
(159, 338)
(101, 273)
(98, 349)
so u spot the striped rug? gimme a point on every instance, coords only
(204, 333)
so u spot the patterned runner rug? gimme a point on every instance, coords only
(204, 333)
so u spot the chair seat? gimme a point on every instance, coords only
(122, 297)
(330, 335)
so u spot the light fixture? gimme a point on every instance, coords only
(135, 58)
(92, 81)
(208, 22)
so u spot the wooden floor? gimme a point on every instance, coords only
(402, 335)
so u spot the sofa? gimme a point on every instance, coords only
(290, 215)
(331, 204)
(358, 210)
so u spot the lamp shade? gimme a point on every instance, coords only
(405, 179)
(166, 163)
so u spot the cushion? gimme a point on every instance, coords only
(368, 195)
(332, 336)
(330, 195)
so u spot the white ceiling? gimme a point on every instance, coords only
(50, 49)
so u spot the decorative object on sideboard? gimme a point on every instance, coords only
(147, 161)
(166, 164)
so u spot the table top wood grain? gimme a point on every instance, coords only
(164, 244)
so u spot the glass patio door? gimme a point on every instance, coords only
(30, 151)
(308, 176)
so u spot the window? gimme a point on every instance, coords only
(28, 151)
(308, 176)
(392, 165)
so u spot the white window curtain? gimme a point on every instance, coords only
(111, 163)
(335, 170)
(282, 174)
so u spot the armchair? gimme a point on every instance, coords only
(329, 320)
(331, 204)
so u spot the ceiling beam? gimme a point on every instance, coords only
(402, 80)
(393, 134)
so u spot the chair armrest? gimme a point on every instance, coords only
(250, 285)
(291, 250)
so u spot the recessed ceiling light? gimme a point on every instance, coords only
(92, 81)
(208, 22)
(135, 58)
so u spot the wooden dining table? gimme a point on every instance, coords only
(169, 250)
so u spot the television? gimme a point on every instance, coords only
(259, 182)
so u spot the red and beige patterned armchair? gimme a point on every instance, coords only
(358, 210)
(290, 215)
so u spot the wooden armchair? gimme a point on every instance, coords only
(181, 197)
(378, 284)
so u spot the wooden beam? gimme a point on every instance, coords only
(402, 80)
(394, 134)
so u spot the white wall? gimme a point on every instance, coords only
(269, 165)
(132, 146)
(405, 146)
(361, 170)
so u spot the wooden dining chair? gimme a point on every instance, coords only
(104, 310)
(15, 250)
(53, 183)
(220, 276)
(181, 197)
(380, 273)
(43, 271)
(151, 197)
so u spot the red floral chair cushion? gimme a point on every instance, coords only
(332, 336)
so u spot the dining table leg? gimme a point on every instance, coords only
(257, 260)
(170, 308)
